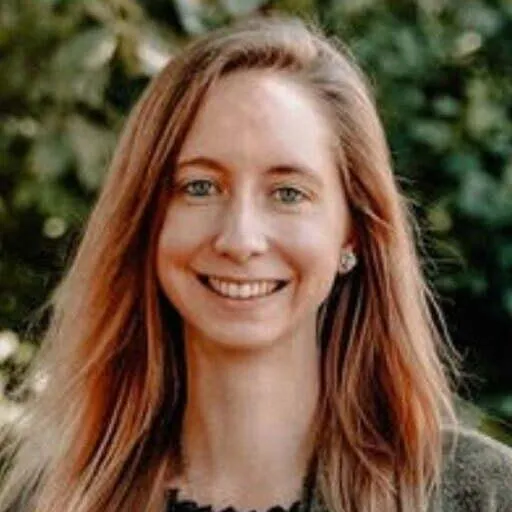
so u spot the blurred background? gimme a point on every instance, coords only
(442, 72)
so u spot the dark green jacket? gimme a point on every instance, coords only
(476, 477)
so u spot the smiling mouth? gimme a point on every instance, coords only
(242, 290)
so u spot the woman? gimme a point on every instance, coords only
(245, 323)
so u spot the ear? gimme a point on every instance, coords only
(351, 243)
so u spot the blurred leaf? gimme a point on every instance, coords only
(25, 353)
(467, 43)
(93, 146)
(50, 157)
(191, 13)
(505, 255)
(356, 6)
(497, 428)
(481, 17)
(446, 106)
(154, 49)
(302, 8)
(9, 343)
(88, 50)
(412, 54)
(507, 174)
(79, 70)
(54, 227)
(436, 133)
(241, 7)
(483, 113)
(50, 199)
(507, 303)
(477, 195)
(440, 218)
(460, 163)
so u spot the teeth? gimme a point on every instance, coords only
(242, 290)
(245, 291)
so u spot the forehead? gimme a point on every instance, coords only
(260, 119)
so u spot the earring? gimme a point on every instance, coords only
(348, 261)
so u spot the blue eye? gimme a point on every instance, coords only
(199, 188)
(289, 195)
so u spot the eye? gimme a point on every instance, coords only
(199, 188)
(289, 195)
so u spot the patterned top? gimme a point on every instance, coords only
(175, 504)
(305, 504)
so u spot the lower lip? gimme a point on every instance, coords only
(242, 302)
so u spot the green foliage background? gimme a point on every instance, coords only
(441, 69)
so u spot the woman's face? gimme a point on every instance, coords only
(257, 218)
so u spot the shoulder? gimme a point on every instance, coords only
(477, 473)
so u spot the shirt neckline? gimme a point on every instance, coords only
(175, 503)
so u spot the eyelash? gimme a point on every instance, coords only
(186, 189)
(296, 192)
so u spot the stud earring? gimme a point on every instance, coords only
(348, 261)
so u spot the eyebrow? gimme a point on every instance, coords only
(277, 170)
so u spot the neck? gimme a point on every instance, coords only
(248, 425)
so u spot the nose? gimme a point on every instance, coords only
(241, 234)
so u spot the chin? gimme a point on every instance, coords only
(240, 337)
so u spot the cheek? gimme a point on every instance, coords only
(180, 237)
(313, 249)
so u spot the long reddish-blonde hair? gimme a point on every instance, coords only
(104, 434)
